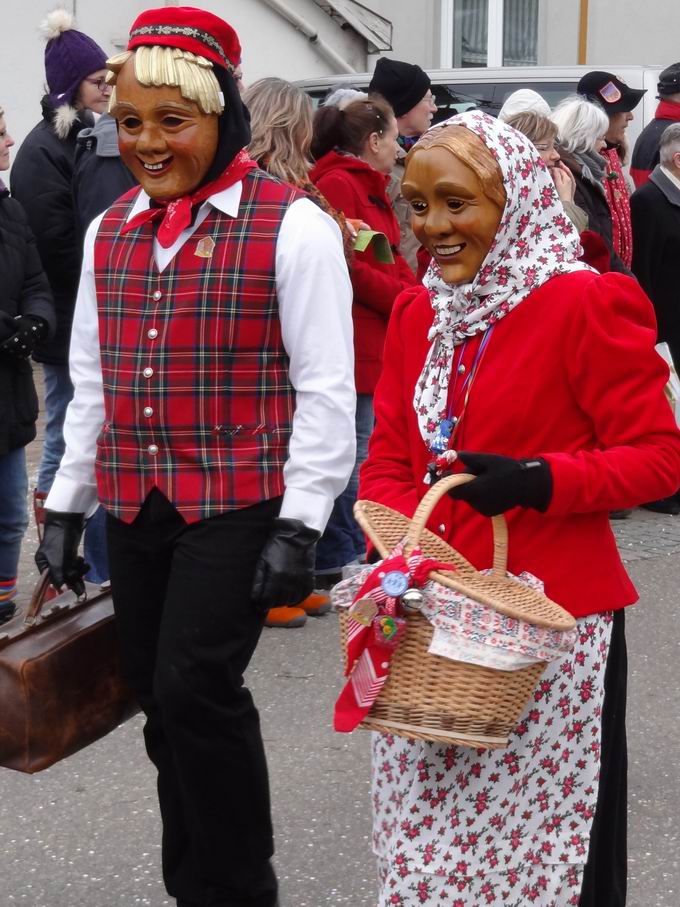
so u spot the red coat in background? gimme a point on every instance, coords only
(355, 188)
(571, 374)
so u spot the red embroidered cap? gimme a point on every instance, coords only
(188, 28)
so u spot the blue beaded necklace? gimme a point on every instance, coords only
(448, 427)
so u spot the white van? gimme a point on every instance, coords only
(456, 90)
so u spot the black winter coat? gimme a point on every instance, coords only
(646, 150)
(655, 214)
(99, 176)
(591, 197)
(24, 290)
(41, 181)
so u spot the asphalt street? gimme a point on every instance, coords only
(86, 832)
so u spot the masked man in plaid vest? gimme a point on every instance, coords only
(213, 418)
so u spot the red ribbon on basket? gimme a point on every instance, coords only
(369, 653)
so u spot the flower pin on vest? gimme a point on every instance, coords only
(205, 247)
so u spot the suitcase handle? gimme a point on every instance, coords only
(38, 598)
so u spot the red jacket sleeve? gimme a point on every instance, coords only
(387, 475)
(618, 379)
(374, 287)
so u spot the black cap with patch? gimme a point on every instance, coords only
(613, 95)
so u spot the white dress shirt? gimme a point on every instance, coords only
(315, 299)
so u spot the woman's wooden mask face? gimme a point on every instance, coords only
(452, 217)
(165, 140)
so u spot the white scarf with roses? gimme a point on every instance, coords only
(535, 241)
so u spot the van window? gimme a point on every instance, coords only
(458, 97)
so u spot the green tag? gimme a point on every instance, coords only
(381, 247)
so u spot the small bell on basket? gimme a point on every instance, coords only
(412, 600)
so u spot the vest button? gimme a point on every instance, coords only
(148, 411)
(157, 295)
(152, 334)
(153, 449)
(148, 372)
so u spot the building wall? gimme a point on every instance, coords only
(616, 32)
(628, 31)
(415, 36)
(558, 33)
(271, 46)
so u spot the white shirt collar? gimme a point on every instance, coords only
(227, 201)
(671, 176)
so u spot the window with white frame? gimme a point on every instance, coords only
(489, 33)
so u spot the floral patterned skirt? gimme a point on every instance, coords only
(464, 828)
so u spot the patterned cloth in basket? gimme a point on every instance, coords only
(468, 631)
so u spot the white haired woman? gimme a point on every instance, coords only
(581, 127)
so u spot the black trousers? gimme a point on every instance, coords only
(606, 872)
(187, 631)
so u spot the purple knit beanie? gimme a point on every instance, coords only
(70, 56)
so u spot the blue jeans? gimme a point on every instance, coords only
(58, 395)
(13, 513)
(343, 541)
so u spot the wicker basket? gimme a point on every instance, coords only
(428, 697)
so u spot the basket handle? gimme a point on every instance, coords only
(432, 498)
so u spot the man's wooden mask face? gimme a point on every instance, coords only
(165, 140)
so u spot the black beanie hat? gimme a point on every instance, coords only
(403, 85)
(669, 81)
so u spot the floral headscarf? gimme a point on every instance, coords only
(535, 241)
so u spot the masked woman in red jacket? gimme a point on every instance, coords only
(521, 365)
(355, 149)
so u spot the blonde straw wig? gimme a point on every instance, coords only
(469, 149)
(281, 128)
(156, 66)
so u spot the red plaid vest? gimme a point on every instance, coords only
(197, 397)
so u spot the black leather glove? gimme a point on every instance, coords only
(503, 483)
(58, 551)
(284, 574)
(29, 330)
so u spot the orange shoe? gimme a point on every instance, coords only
(316, 604)
(285, 617)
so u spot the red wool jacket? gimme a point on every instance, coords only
(571, 374)
(355, 188)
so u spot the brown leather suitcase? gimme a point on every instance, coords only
(60, 681)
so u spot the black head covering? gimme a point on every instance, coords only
(233, 129)
(403, 85)
(669, 81)
(609, 92)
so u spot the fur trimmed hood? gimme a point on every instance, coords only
(65, 119)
